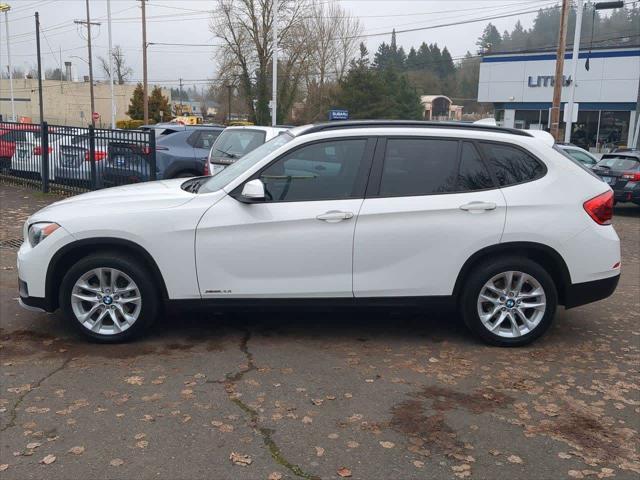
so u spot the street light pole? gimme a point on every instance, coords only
(145, 88)
(5, 8)
(574, 70)
(113, 103)
(274, 82)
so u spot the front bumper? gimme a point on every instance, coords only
(578, 294)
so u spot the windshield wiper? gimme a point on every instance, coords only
(228, 154)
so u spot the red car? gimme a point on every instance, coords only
(9, 135)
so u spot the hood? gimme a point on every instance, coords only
(139, 197)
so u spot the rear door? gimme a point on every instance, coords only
(431, 203)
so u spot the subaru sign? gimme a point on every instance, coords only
(338, 114)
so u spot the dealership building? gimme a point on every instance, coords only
(520, 86)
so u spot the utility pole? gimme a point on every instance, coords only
(574, 71)
(39, 67)
(274, 85)
(145, 99)
(557, 85)
(181, 96)
(88, 24)
(113, 103)
(229, 87)
(5, 8)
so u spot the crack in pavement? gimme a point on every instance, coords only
(265, 433)
(13, 415)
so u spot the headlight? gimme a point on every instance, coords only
(40, 231)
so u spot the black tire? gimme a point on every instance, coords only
(129, 266)
(481, 274)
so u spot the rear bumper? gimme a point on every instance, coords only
(628, 194)
(582, 293)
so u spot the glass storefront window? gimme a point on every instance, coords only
(614, 129)
(584, 131)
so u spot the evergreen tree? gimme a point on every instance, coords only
(136, 106)
(424, 57)
(447, 68)
(490, 39)
(412, 60)
(159, 103)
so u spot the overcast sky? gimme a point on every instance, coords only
(187, 21)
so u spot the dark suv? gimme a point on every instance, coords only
(621, 170)
(181, 154)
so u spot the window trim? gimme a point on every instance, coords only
(373, 189)
(362, 177)
(517, 147)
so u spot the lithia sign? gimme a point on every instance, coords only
(547, 81)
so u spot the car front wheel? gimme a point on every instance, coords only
(108, 298)
(509, 302)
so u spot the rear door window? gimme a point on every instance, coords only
(473, 174)
(511, 165)
(419, 166)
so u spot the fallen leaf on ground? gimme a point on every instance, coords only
(494, 452)
(3, 467)
(307, 419)
(344, 472)
(142, 444)
(418, 464)
(116, 462)
(139, 436)
(33, 445)
(275, 476)
(319, 451)
(514, 459)
(240, 459)
(575, 474)
(49, 459)
(134, 380)
(333, 436)
(348, 395)
(353, 444)
(564, 455)
(387, 444)
(76, 450)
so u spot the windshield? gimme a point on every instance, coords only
(233, 144)
(245, 163)
(566, 154)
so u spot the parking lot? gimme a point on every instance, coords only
(373, 394)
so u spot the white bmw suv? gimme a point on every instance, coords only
(491, 220)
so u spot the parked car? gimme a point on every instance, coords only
(621, 170)
(235, 142)
(72, 154)
(9, 135)
(580, 154)
(181, 154)
(491, 220)
(27, 159)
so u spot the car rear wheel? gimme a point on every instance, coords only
(509, 302)
(108, 298)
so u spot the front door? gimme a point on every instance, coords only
(433, 205)
(299, 241)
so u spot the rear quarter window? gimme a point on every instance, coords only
(511, 165)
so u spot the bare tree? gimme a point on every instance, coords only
(120, 68)
(244, 28)
(333, 37)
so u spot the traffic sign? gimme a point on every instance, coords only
(96, 116)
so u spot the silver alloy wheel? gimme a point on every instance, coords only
(511, 304)
(106, 301)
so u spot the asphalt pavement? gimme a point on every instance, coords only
(373, 394)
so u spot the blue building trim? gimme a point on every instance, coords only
(610, 106)
(552, 56)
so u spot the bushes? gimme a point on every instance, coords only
(131, 124)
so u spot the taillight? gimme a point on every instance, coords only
(37, 150)
(99, 155)
(206, 168)
(633, 176)
(600, 208)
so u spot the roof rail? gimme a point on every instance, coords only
(343, 124)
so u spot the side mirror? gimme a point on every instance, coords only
(253, 190)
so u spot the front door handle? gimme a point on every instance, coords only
(334, 216)
(478, 206)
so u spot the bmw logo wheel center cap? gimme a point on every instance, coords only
(107, 300)
(510, 303)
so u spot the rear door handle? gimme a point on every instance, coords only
(334, 216)
(478, 206)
